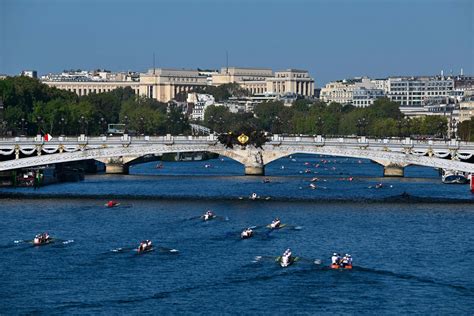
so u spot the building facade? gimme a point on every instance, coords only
(413, 91)
(360, 92)
(165, 84)
(264, 81)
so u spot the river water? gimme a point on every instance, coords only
(411, 240)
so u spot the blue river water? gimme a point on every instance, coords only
(411, 239)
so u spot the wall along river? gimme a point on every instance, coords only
(411, 240)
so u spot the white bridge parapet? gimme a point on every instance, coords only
(29, 151)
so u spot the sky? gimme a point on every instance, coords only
(332, 39)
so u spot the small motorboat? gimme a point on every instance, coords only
(454, 177)
(42, 239)
(145, 246)
(266, 180)
(247, 233)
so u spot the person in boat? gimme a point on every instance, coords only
(335, 259)
(346, 261)
(275, 223)
(208, 215)
(246, 233)
(145, 245)
(286, 258)
(41, 238)
(112, 203)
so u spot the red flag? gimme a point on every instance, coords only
(48, 137)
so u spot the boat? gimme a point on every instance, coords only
(337, 266)
(247, 233)
(254, 196)
(42, 239)
(286, 261)
(111, 204)
(276, 223)
(453, 177)
(208, 216)
(145, 246)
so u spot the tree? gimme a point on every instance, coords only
(466, 130)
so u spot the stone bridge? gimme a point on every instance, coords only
(119, 151)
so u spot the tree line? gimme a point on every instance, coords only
(382, 119)
(32, 107)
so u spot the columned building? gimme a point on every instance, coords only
(263, 80)
(87, 87)
(164, 84)
(291, 81)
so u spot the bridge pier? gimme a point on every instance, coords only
(393, 170)
(255, 170)
(115, 166)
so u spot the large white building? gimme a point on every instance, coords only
(264, 81)
(360, 92)
(413, 91)
(164, 84)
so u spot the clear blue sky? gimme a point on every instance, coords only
(332, 39)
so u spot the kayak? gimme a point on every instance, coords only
(107, 205)
(281, 226)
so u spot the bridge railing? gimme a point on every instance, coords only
(275, 140)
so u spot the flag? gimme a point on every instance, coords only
(48, 137)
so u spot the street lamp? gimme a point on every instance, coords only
(319, 125)
(453, 126)
(142, 126)
(83, 123)
(39, 122)
(103, 126)
(211, 124)
(62, 123)
(400, 125)
(276, 125)
(23, 123)
(220, 122)
(125, 121)
(361, 125)
(407, 124)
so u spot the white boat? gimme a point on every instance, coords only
(453, 177)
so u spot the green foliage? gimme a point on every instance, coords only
(224, 91)
(466, 130)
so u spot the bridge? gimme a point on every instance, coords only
(119, 152)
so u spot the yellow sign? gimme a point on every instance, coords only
(243, 138)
